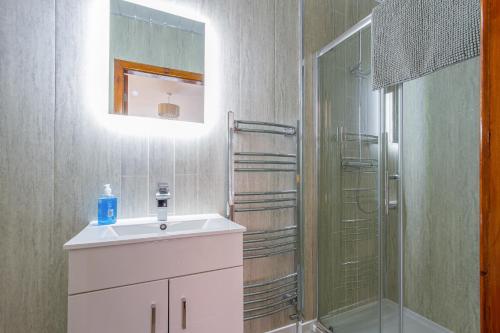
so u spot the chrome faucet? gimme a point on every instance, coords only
(162, 197)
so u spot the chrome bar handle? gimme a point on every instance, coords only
(299, 254)
(184, 313)
(153, 318)
(340, 140)
(385, 142)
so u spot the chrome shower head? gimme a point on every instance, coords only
(358, 72)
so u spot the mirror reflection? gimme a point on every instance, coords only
(157, 64)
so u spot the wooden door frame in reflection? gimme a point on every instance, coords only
(490, 167)
(121, 67)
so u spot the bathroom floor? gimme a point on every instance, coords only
(365, 320)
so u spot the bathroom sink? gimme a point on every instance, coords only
(139, 229)
(148, 229)
(191, 225)
(154, 228)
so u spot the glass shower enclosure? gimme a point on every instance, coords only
(359, 219)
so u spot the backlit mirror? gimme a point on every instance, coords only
(156, 64)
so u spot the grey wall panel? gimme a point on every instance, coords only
(86, 155)
(257, 72)
(441, 196)
(287, 61)
(26, 164)
(57, 154)
(161, 169)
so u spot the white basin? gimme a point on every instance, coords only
(138, 229)
(154, 228)
(148, 229)
(191, 225)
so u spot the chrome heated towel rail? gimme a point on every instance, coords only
(276, 294)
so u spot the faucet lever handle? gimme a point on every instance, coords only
(162, 197)
(163, 188)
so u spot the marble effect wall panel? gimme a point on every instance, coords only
(441, 196)
(56, 154)
(27, 95)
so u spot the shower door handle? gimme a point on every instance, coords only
(385, 145)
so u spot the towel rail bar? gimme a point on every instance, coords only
(262, 123)
(263, 162)
(259, 308)
(267, 291)
(269, 254)
(261, 232)
(244, 194)
(260, 209)
(263, 170)
(265, 154)
(288, 293)
(263, 131)
(270, 282)
(270, 312)
(261, 127)
(267, 247)
(247, 202)
(268, 239)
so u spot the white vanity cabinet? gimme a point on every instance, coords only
(138, 308)
(208, 302)
(185, 282)
(205, 302)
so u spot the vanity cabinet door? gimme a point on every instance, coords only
(209, 302)
(137, 308)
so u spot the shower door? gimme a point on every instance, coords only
(357, 267)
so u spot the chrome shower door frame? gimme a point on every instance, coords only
(366, 22)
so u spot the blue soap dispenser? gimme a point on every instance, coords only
(106, 207)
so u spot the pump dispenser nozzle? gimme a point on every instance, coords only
(107, 189)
